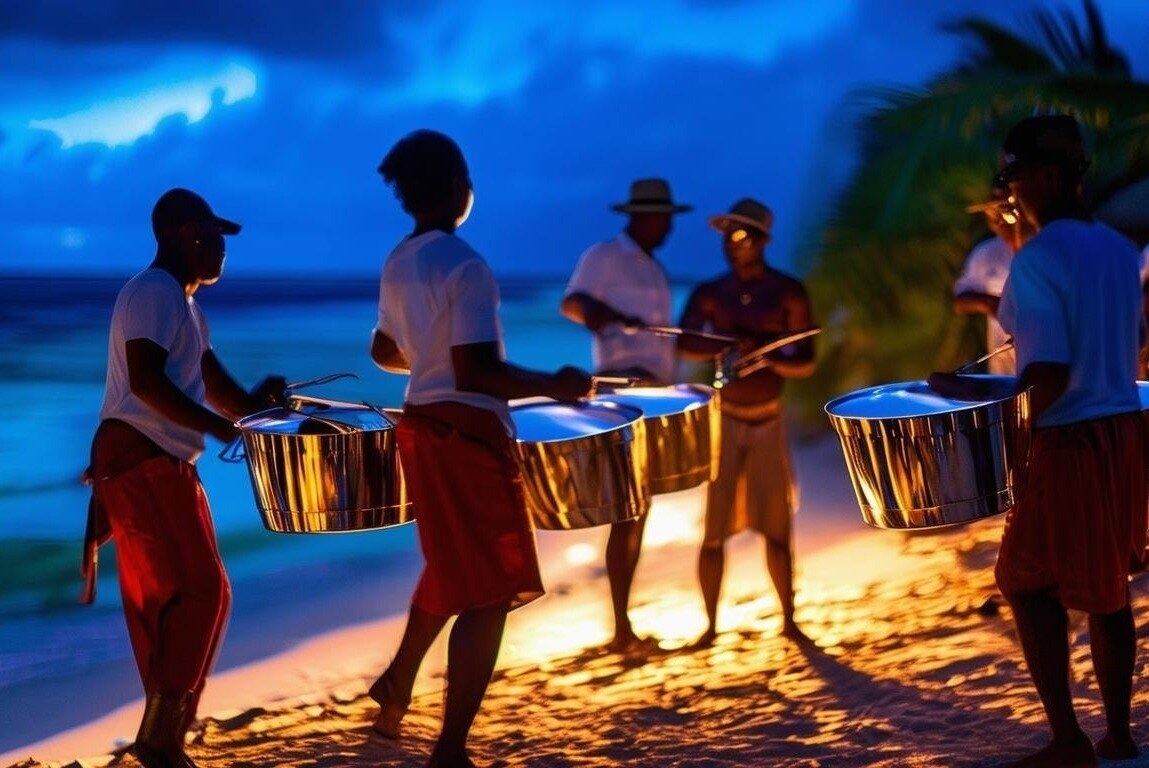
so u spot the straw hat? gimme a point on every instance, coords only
(650, 196)
(746, 213)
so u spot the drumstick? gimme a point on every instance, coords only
(1005, 346)
(614, 381)
(670, 330)
(321, 380)
(754, 360)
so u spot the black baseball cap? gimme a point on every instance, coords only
(178, 206)
(1042, 140)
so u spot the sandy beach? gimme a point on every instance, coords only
(913, 662)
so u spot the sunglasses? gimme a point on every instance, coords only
(739, 235)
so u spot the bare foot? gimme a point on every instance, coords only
(391, 709)
(1112, 748)
(706, 640)
(1075, 752)
(793, 632)
(633, 645)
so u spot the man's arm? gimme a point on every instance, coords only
(974, 303)
(1045, 381)
(148, 381)
(387, 355)
(594, 314)
(694, 318)
(480, 368)
(228, 397)
(796, 361)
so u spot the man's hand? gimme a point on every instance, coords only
(570, 384)
(958, 387)
(269, 393)
(224, 430)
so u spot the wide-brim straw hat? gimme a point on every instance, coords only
(745, 213)
(651, 196)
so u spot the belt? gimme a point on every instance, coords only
(752, 412)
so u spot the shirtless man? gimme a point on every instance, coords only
(755, 485)
(617, 287)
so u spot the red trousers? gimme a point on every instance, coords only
(477, 540)
(1079, 528)
(175, 593)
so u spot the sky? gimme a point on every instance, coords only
(280, 118)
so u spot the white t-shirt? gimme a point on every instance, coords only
(1073, 296)
(153, 305)
(435, 293)
(986, 269)
(619, 274)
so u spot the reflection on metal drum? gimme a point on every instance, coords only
(919, 460)
(583, 464)
(683, 424)
(323, 466)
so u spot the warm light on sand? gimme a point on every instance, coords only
(581, 554)
(675, 518)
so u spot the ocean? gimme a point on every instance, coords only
(53, 349)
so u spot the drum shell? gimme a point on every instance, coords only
(939, 469)
(586, 481)
(328, 482)
(683, 447)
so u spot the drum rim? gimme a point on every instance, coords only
(702, 396)
(631, 413)
(246, 423)
(968, 406)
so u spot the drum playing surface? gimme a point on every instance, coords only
(583, 464)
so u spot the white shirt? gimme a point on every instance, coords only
(153, 305)
(619, 274)
(1074, 297)
(986, 269)
(435, 293)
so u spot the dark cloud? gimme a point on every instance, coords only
(331, 28)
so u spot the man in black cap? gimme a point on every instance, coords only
(1073, 306)
(162, 377)
(755, 486)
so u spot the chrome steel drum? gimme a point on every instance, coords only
(583, 464)
(919, 460)
(323, 465)
(683, 426)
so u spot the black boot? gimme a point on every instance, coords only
(160, 742)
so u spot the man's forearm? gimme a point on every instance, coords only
(161, 395)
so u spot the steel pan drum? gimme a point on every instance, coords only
(323, 465)
(919, 460)
(583, 464)
(683, 426)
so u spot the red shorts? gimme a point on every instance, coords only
(464, 482)
(1079, 528)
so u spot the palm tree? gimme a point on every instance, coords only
(883, 264)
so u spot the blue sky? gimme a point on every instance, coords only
(280, 118)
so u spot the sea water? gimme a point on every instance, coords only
(53, 351)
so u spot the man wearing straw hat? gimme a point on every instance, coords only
(617, 287)
(977, 291)
(755, 487)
